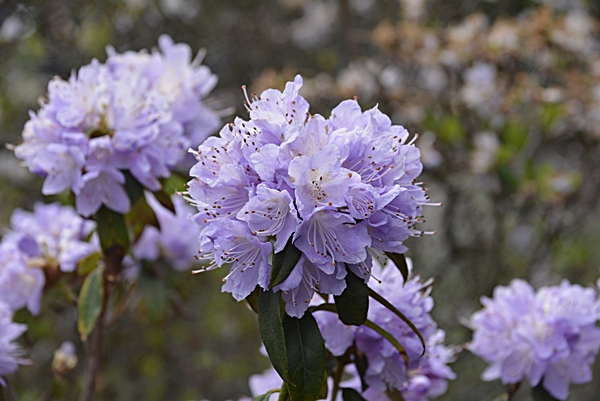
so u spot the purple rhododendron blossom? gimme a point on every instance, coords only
(137, 112)
(339, 187)
(426, 376)
(52, 237)
(548, 337)
(176, 240)
(10, 353)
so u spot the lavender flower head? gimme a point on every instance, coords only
(549, 337)
(176, 240)
(10, 353)
(52, 237)
(426, 376)
(337, 188)
(138, 112)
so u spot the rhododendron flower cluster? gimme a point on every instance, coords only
(176, 241)
(548, 337)
(338, 188)
(137, 112)
(10, 353)
(426, 375)
(52, 238)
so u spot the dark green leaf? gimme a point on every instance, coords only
(271, 331)
(140, 216)
(252, 299)
(362, 364)
(265, 396)
(385, 334)
(134, 189)
(539, 393)
(353, 304)
(283, 263)
(324, 388)
(164, 199)
(174, 183)
(349, 394)
(90, 302)
(306, 357)
(113, 234)
(401, 315)
(400, 261)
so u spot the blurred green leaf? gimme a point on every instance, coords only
(88, 264)
(134, 189)
(353, 304)
(515, 135)
(252, 299)
(399, 260)
(451, 130)
(265, 396)
(349, 394)
(90, 302)
(164, 199)
(271, 331)
(140, 216)
(283, 263)
(155, 296)
(362, 364)
(112, 231)
(306, 357)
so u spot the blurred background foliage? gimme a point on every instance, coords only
(504, 94)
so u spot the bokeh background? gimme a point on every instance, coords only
(505, 96)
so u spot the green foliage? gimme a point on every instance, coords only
(271, 331)
(112, 230)
(90, 302)
(265, 396)
(306, 357)
(539, 393)
(283, 263)
(353, 304)
(349, 394)
(399, 260)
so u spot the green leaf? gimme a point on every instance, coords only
(266, 396)
(155, 295)
(164, 199)
(394, 395)
(539, 393)
(349, 394)
(353, 304)
(113, 234)
(306, 357)
(400, 261)
(88, 264)
(283, 263)
(134, 189)
(401, 315)
(140, 216)
(174, 183)
(252, 299)
(271, 331)
(385, 334)
(324, 388)
(90, 302)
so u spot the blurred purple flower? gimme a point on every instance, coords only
(10, 353)
(426, 376)
(549, 337)
(176, 240)
(138, 112)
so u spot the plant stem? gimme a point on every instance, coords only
(9, 391)
(92, 362)
(284, 394)
(337, 376)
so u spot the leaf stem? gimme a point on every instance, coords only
(284, 395)
(337, 376)
(401, 315)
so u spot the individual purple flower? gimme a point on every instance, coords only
(549, 337)
(340, 188)
(139, 112)
(11, 355)
(176, 239)
(426, 375)
(54, 236)
(21, 284)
